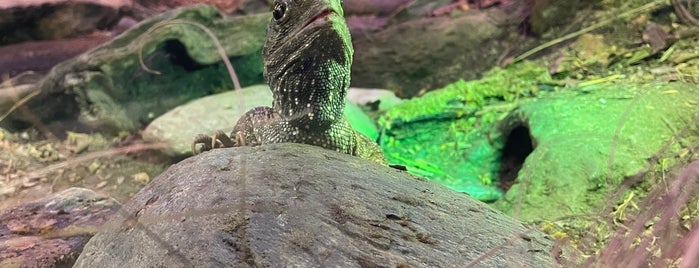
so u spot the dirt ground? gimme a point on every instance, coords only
(33, 167)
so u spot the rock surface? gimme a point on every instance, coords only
(26, 3)
(458, 47)
(226, 6)
(303, 206)
(41, 56)
(52, 231)
(55, 19)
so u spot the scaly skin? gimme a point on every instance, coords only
(307, 58)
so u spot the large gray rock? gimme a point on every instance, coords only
(294, 205)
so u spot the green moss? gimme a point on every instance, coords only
(587, 142)
(465, 98)
(585, 139)
(443, 135)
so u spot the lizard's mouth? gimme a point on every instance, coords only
(319, 18)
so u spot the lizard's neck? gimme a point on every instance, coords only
(316, 96)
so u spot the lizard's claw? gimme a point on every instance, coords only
(205, 142)
(221, 140)
(218, 140)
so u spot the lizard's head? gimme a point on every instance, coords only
(307, 54)
(300, 23)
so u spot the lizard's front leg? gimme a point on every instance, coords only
(217, 140)
(248, 131)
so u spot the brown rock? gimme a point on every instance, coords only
(373, 7)
(28, 3)
(52, 231)
(49, 20)
(41, 56)
(428, 53)
(226, 6)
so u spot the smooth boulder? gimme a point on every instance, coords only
(297, 205)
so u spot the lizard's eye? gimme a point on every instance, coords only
(279, 10)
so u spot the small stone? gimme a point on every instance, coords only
(73, 177)
(6, 190)
(101, 184)
(141, 178)
(94, 166)
(79, 141)
(27, 183)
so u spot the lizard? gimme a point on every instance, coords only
(307, 60)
